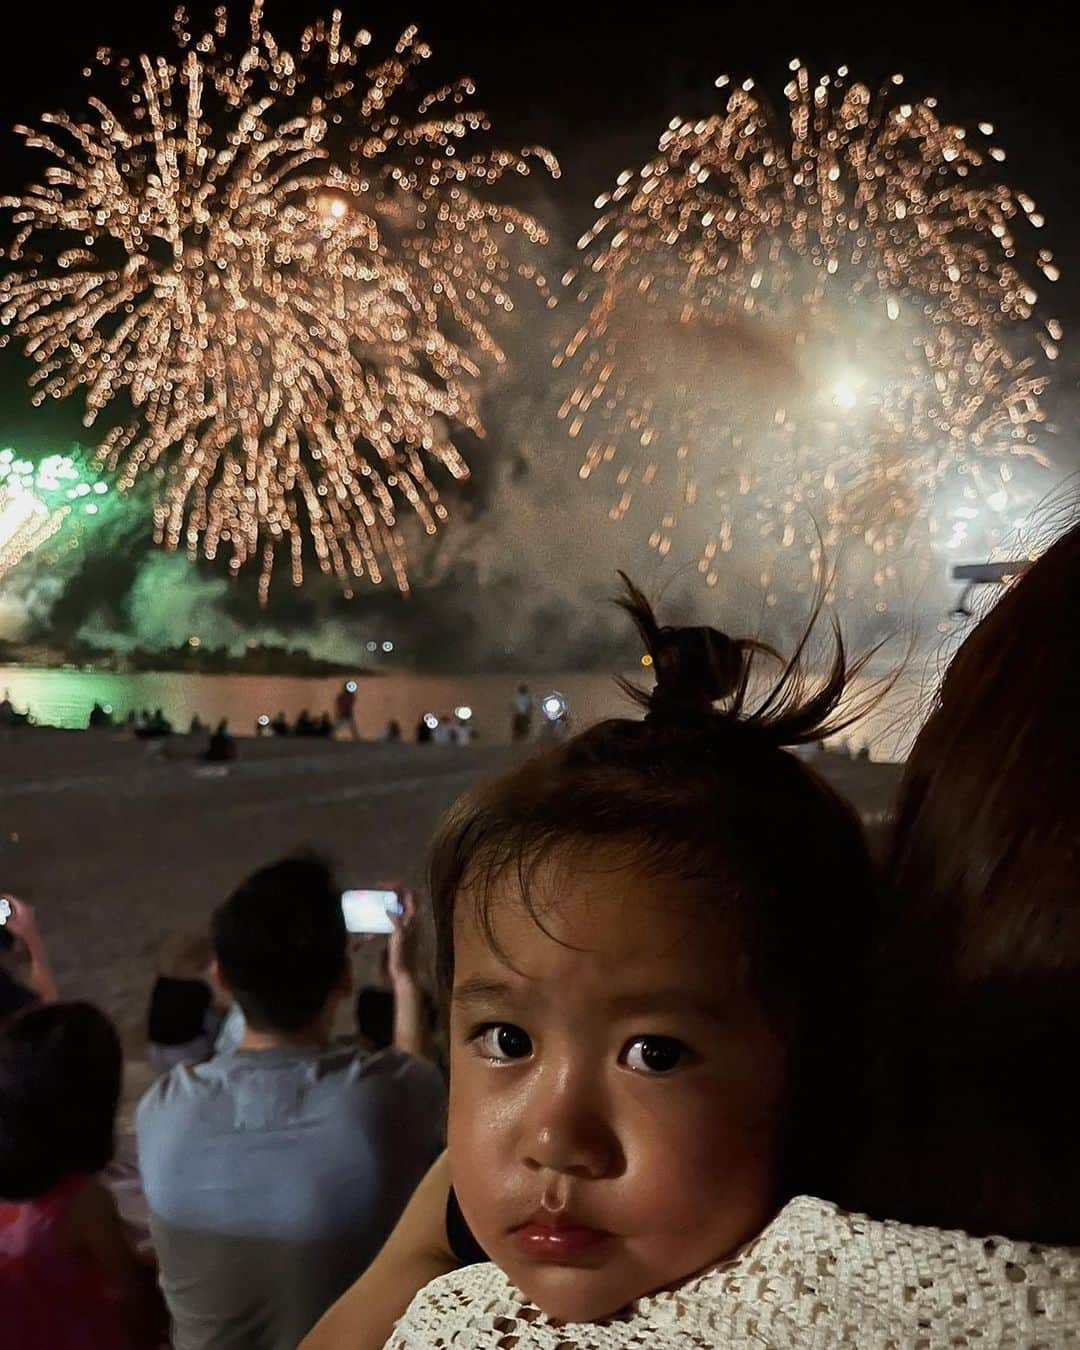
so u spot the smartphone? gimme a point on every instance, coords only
(370, 911)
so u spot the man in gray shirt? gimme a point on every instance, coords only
(275, 1172)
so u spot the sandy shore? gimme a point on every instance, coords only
(116, 849)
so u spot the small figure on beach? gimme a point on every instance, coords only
(345, 710)
(521, 714)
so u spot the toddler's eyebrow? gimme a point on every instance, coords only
(480, 990)
(638, 1003)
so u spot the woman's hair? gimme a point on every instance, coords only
(971, 1117)
(703, 790)
(60, 1069)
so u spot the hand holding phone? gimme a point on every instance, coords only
(17, 921)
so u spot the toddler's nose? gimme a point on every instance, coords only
(567, 1132)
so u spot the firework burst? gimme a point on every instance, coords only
(274, 286)
(36, 499)
(821, 315)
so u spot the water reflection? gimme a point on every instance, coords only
(64, 698)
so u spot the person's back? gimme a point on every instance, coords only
(52, 1292)
(274, 1172)
(273, 1178)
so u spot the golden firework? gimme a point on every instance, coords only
(274, 284)
(822, 314)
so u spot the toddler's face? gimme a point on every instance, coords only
(616, 1096)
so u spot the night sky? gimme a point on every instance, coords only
(597, 86)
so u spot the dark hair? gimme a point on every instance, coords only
(60, 1071)
(280, 942)
(699, 793)
(970, 1121)
(375, 1017)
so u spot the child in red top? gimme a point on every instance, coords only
(68, 1274)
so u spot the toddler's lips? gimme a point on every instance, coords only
(560, 1239)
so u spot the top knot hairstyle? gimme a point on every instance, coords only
(702, 789)
(697, 668)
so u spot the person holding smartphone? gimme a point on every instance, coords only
(20, 938)
(274, 1172)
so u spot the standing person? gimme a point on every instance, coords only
(444, 733)
(521, 714)
(68, 1274)
(274, 1173)
(345, 710)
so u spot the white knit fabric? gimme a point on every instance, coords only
(815, 1278)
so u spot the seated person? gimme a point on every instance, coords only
(274, 1173)
(375, 1018)
(68, 1274)
(222, 747)
(182, 1022)
(100, 718)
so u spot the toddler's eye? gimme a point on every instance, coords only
(654, 1054)
(503, 1043)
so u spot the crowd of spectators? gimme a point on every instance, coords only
(279, 1143)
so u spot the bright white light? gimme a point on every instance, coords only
(388, 646)
(464, 713)
(430, 721)
(351, 686)
(333, 208)
(554, 707)
(844, 395)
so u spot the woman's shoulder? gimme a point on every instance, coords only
(815, 1272)
(884, 1281)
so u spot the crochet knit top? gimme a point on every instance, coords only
(816, 1277)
